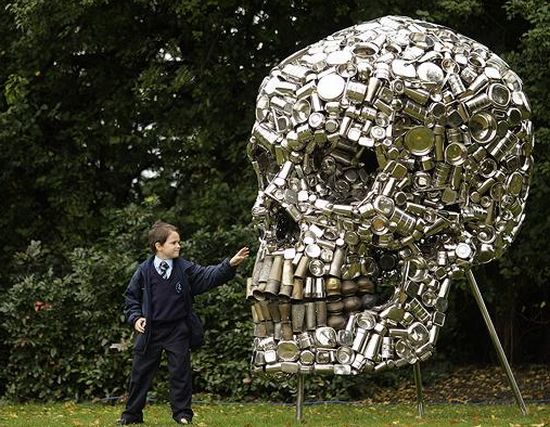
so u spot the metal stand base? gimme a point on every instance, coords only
(416, 367)
(496, 342)
(419, 394)
(300, 397)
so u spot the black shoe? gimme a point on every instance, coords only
(184, 421)
(127, 421)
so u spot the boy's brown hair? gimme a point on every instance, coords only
(158, 233)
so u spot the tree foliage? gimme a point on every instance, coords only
(116, 113)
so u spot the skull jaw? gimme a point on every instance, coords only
(375, 321)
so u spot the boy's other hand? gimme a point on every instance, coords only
(140, 325)
(239, 257)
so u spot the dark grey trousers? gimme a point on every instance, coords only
(173, 339)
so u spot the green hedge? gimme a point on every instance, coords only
(62, 349)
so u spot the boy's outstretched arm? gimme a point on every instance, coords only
(203, 279)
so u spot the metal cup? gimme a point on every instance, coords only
(307, 357)
(260, 330)
(360, 337)
(302, 268)
(337, 261)
(365, 286)
(286, 330)
(284, 310)
(456, 85)
(336, 321)
(287, 281)
(298, 289)
(259, 292)
(321, 309)
(275, 314)
(345, 355)
(298, 314)
(249, 287)
(334, 287)
(373, 346)
(335, 306)
(349, 288)
(263, 309)
(309, 288)
(275, 275)
(319, 290)
(352, 304)
(387, 348)
(311, 318)
(305, 340)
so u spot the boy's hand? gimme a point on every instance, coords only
(140, 325)
(239, 257)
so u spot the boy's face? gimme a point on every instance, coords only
(171, 248)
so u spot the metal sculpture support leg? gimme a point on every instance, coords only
(419, 393)
(496, 342)
(300, 397)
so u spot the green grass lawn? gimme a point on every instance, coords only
(234, 414)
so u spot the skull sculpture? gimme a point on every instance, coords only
(391, 157)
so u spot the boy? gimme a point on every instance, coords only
(158, 304)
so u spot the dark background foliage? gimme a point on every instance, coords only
(117, 113)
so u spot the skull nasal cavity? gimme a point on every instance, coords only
(286, 226)
(368, 158)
